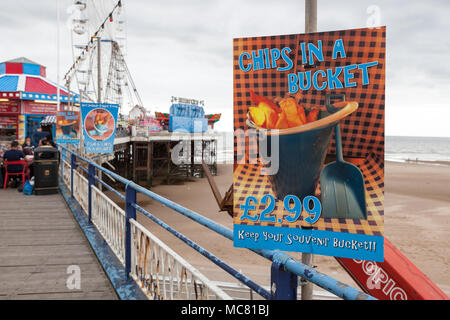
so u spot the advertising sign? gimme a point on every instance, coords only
(8, 122)
(9, 107)
(31, 107)
(309, 143)
(67, 127)
(99, 126)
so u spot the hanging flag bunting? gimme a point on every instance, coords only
(102, 26)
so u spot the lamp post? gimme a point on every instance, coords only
(310, 26)
(58, 107)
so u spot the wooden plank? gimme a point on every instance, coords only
(23, 270)
(39, 240)
(36, 260)
(74, 295)
(38, 283)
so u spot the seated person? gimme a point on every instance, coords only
(27, 147)
(43, 143)
(38, 136)
(47, 142)
(14, 154)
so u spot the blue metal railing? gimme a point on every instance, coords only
(284, 271)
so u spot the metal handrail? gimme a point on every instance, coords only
(236, 274)
(280, 258)
(164, 267)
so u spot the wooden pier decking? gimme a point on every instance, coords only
(39, 241)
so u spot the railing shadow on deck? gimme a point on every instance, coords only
(157, 269)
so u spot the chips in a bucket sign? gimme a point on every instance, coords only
(309, 143)
(99, 126)
(67, 129)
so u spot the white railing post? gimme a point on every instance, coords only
(73, 166)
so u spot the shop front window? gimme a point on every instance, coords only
(8, 129)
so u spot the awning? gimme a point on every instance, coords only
(48, 120)
(34, 88)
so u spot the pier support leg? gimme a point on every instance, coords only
(134, 162)
(126, 159)
(150, 165)
(169, 161)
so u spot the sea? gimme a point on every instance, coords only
(418, 149)
(397, 148)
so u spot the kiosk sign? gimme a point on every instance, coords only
(67, 127)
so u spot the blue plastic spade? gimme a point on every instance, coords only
(342, 185)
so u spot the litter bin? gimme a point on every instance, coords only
(46, 173)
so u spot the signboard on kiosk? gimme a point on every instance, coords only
(99, 126)
(9, 107)
(33, 107)
(67, 127)
(309, 143)
(7, 121)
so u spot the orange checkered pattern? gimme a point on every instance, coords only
(268, 83)
(249, 182)
(362, 132)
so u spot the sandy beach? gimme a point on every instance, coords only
(417, 216)
(417, 206)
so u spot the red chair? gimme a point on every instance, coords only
(22, 173)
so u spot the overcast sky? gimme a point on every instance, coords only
(184, 48)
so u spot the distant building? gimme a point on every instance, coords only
(26, 98)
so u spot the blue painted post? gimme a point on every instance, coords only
(130, 211)
(283, 284)
(91, 180)
(73, 166)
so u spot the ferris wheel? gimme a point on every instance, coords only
(98, 39)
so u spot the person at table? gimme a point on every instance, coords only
(14, 154)
(50, 142)
(27, 146)
(44, 143)
(38, 136)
